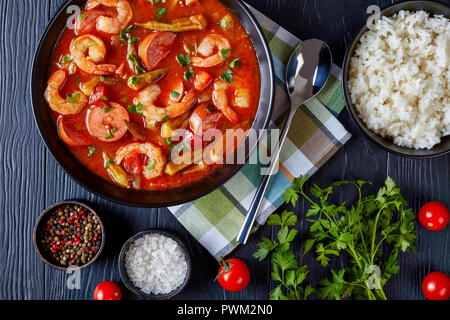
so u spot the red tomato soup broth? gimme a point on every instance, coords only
(186, 72)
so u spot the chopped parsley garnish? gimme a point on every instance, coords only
(107, 109)
(187, 144)
(151, 165)
(113, 130)
(82, 16)
(103, 98)
(225, 53)
(110, 162)
(136, 63)
(136, 108)
(66, 58)
(109, 134)
(88, 46)
(235, 63)
(102, 78)
(134, 80)
(227, 76)
(124, 32)
(165, 119)
(175, 94)
(160, 12)
(133, 39)
(188, 74)
(73, 98)
(183, 60)
(91, 151)
(171, 145)
(156, 1)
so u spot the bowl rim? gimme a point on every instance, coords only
(350, 106)
(129, 284)
(49, 209)
(267, 58)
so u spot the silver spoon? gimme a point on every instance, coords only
(307, 73)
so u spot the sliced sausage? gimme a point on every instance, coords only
(108, 124)
(155, 47)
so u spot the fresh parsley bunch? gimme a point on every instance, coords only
(371, 232)
(286, 271)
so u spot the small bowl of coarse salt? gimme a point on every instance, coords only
(155, 264)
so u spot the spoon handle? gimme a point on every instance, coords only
(259, 196)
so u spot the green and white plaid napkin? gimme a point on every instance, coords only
(216, 219)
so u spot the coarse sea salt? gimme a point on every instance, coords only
(156, 264)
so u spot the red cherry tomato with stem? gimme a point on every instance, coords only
(107, 290)
(233, 275)
(436, 286)
(434, 216)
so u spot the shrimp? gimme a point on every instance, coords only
(156, 160)
(116, 24)
(87, 51)
(220, 100)
(206, 49)
(148, 96)
(71, 105)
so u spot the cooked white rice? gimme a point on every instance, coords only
(156, 264)
(399, 79)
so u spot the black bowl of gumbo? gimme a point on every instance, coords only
(69, 233)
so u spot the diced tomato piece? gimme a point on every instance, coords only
(133, 163)
(99, 92)
(202, 80)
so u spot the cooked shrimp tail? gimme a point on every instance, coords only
(87, 51)
(73, 104)
(206, 49)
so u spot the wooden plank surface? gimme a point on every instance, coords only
(31, 179)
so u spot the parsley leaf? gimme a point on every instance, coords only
(235, 63)
(227, 76)
(160, 12)
(225, 53)
(73, 99)
(151, 165)
(136, 108)
(91, 151)
(189, 74)
(174, 94)
(110, 162)
(183, 60)
(66, 58)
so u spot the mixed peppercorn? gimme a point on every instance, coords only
(71, 235)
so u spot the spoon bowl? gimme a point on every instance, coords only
(307, 72)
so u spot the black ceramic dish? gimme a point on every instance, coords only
(107, 190)
(385, 143)
(137, 291)
(39, 225)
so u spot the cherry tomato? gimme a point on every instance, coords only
(436, 286)
(434, 216)
(107, 290)
(234, 275)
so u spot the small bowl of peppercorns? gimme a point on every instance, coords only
(69, 233)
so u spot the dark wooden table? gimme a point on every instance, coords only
(32, 180)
